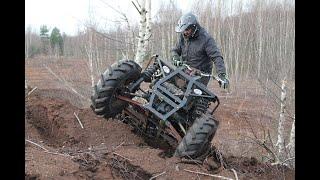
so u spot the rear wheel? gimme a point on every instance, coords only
(198, 138)
(113, 82)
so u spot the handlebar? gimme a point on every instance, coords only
(203, 74)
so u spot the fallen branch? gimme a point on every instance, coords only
(78, 119)
(191, 161)
(153, 177)
(31, 91)
(37, 145)
(211, 175)
(55, 153)
(220, 157)
(263, 145)
(283, 162)
(46, 150)
(235, 174)
(121, 156)
(288, 159)
(118, 146)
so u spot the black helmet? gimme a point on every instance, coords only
(185, 22)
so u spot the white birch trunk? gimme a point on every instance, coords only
(237, 54)
(259, 37)
(98, 60)
(127, 41)
(169, 42)
(89, 51)
(281, 129)
(163, 43)
(291, 145)
(141, 51)
(148, 24)
(117, 47)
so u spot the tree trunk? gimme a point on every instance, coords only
(89, 52)
(148, 24)
(291, 145)
(259, 37)
(141, 51)
(163, 43)
(281, 129)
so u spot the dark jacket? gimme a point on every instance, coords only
(200, 51)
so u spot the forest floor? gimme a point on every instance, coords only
(57, 147)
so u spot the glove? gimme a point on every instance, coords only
(224, 81)
(176, 60)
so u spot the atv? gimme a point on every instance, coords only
(176, 106)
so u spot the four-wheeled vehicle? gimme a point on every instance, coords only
(173, 104)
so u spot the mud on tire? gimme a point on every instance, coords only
(115, 79)
(200, 107)
(197, 140)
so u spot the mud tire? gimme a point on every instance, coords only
(196, 143)
(200, 107)
(117, 77)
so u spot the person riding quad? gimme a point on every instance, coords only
(198, 49)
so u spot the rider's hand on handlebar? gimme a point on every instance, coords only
(176, 60)
(193, 71)
(224, 81)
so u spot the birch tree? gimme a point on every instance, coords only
(89, 51)
(141, 50)
(281, 126)
(32, 43)
(259, 35)
(144, 8)
(148, 23)
(291, 146)
(28, 42)
(89, 44)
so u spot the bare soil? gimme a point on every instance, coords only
(110, 149)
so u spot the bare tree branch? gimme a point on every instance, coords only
(121, 156)
(153, 177)
(111, 7)
(31, 91)
(37, 145)
(211, 175)
(136, 7)
(235, 174)
(74, 113)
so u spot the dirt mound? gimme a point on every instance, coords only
(56, 123)
(63, 94)
(58, 148)
(51, 123)
(250, 168)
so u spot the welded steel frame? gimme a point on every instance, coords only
(162, 93)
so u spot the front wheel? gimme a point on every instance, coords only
(198, 138)
(113, 81)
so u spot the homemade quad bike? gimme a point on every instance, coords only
(176, 105)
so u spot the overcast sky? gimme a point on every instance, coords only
(68, 15)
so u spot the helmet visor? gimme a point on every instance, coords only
(181, 27)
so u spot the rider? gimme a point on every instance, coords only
(198, 49)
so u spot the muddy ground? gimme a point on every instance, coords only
(57, 147)
(109, 149)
